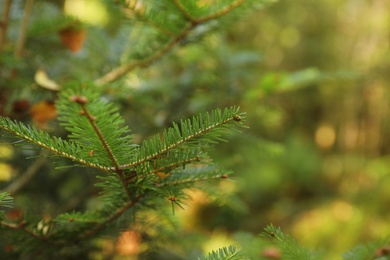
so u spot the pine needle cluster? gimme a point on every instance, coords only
(130, 175)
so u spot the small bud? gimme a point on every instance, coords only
(173, 198)
(83, 100)
(74, 98)
(91, 153)
(237, 118)
(82, 113)
(224, 176)
(79, 99)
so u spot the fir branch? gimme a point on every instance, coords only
(374, 250)
(97, 128)
(141, 17)
(109, 219)
(220, 13)
(193, 23)
(54, 144)
(22, 226)
(125, 68)
(82, 101)
(192, 175)
(177, 163)
(6, 200)
(290, 247)
(207, 128)
(226, 253)
(185, 13)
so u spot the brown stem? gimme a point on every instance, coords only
(22, 226)
(23, 29)
(111, 218)
(125, 68)
(220, 13)
(32, 170)
(92, 120)
(4, 24)
(173, 146)
(186, 14)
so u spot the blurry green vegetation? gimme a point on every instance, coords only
(313, 77)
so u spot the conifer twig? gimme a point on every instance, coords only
(30, 134)
(125, 68)
(220, 13)
(31, 171)
(142, 18)
(183, 140)
(22, 226)
(186, 14)
(81, 100)
(111, 218)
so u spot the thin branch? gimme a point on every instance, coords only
(32, 170)
(23, 29)
(125, 68)
(82, 101)
(4, 24)
(220, 13)
(165, 168)
(142, 18)
(53, 149)
(92, 120)
(186, 14)
(219, 176)
(173, 146)
(22, 226)
(111, 218)
(189, 17)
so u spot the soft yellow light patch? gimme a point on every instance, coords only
(88, 11)
(6, 151)
(5, 172)
(325, 136)
(289, 37)
(218, 239)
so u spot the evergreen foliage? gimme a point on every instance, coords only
(5, 201)
(160, 167)
(226, 253)
(136, 180)
(290, 248)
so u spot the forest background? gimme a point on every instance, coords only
(312, 77)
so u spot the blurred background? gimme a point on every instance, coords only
(312, 76)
